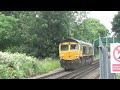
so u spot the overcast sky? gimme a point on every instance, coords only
(105, 17)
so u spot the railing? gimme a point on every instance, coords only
(105, 72)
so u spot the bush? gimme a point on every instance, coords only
(21, 66)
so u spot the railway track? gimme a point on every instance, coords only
(76, 74)
(90, 74)
(97, 76)
(56, 72)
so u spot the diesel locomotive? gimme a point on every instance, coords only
(75, 53)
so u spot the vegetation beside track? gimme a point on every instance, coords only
(21, 66)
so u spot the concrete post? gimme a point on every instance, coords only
(101, 59)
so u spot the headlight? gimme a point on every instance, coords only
(61, 57)
(77, 57)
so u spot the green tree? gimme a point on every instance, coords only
(8, 27)
(42, 31)
(76, 19)
(91, 29)
(116, 24)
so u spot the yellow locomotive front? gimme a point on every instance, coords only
(69, 53)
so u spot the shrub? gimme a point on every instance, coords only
(16, 65)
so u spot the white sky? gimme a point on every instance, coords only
(105, 17)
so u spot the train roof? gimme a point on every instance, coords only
(75, 40)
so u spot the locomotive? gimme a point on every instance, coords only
(75, 53)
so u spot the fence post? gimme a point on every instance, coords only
(101, 59)
(103, 52)
(106, 63)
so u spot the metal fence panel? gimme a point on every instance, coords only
(104, 62)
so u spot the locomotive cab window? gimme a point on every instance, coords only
(74, 47)
(64, 47)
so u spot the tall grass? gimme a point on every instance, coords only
(21, 66)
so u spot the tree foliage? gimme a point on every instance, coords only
(8, 27)
(39, 33)
(91, 29)
(116, 24)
